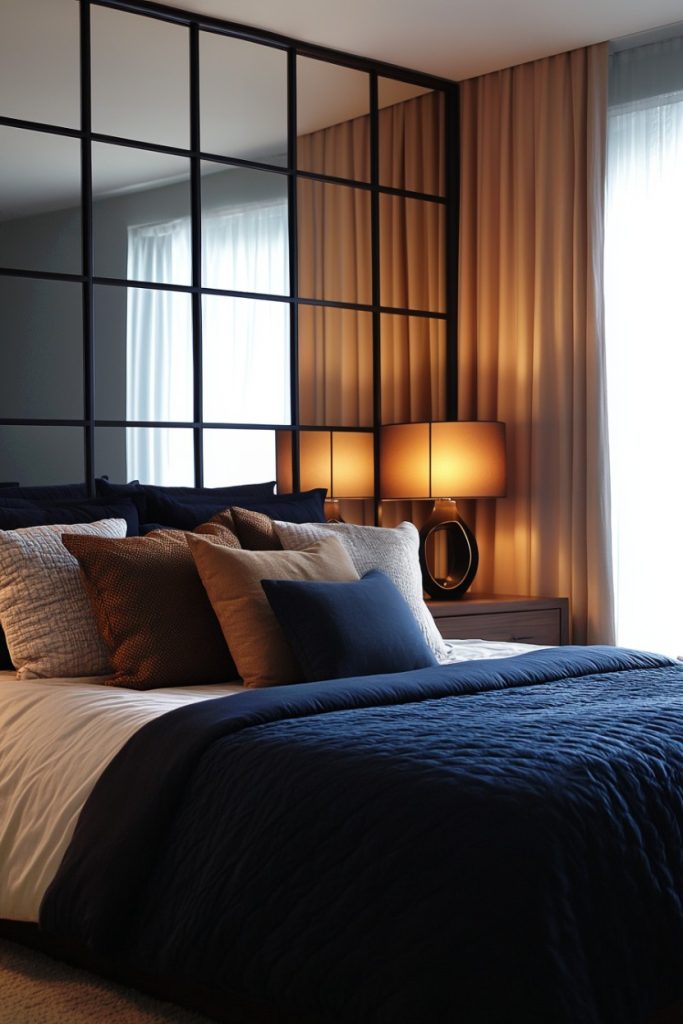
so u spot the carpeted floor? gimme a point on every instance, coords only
(35, 989)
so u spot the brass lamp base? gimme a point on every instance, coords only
(449, 557)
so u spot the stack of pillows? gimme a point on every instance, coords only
(149, 586)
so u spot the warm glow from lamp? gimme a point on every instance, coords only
(444, 461)
(343, 461)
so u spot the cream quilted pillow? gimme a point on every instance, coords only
(393, 550)
(44, 610)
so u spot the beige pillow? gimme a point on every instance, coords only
(233, 582)
(44, 609)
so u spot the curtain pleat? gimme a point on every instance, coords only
(531, 349)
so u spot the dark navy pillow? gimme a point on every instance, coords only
(19, 513)
(298, 507)
(46, 492)
(337, 630)
(145, 495)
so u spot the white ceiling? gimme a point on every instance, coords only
(452, 38)
(140, 75)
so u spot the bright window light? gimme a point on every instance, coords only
(644, 331)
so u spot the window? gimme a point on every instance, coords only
(245, 342)
(644, 331)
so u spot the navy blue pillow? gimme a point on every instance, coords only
(18, 513)
(145, 495)
(338, 630)
(298, 507)
(46, 492)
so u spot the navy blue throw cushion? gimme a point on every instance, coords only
(45, 492)
(18, 513)
(298, 507)
(149, 498)
(337, 630)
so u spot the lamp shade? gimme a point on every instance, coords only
(343, 461)
(461, 459)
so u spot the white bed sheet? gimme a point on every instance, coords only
(57, 736)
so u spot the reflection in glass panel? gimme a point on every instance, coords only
(284, 461)
(35, 455)
(243, 88)
(141, 215)
(411, 137)
(413, 359)
(143, 355)
(412, 253)
(333, 123)
(245, 345)
(334, 242)
(40, 195)
(335, 367)
(238, 456)
(245, 236)
(153, 455)
(39, 61)
(42, 349)
(140, 78)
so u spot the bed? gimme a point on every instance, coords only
(490, 840)
(374, 827)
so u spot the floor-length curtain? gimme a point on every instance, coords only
(531, 347)
(644, 331)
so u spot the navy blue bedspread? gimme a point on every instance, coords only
(481, 843)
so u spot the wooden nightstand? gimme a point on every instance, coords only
(529, 620)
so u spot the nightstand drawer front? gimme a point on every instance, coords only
(540, 626)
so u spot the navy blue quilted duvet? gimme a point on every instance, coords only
(483, 843)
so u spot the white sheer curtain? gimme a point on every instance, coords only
(644, 332)
(159, 354)
(246, 341)
(245, 344)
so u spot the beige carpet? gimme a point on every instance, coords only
(35, 989)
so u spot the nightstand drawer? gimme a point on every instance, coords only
(523, 620)
(532, 627)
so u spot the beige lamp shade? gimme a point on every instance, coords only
(462, 459)
(343, 461)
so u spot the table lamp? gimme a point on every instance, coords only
(343, 461)
(444, 461)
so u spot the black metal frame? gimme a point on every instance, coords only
(88, 279)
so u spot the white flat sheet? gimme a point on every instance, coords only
(57, 736)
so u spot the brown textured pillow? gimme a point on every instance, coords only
(152, 610)
(219, 528)
(233, 582)
(255, 530)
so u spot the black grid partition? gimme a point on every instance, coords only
(57, 405)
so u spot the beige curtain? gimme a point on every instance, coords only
(531, 326)
(335, 264)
